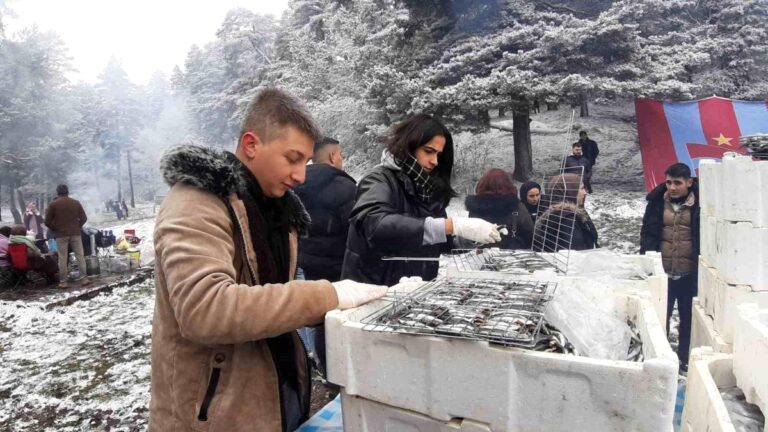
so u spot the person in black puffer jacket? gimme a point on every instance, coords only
(400, 208)
(565, 224)
(496, 201)
(328, 194)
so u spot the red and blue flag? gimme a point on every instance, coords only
(687, 132)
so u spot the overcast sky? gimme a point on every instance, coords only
(144, 35)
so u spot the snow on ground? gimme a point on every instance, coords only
(86, 366)
(80, 367)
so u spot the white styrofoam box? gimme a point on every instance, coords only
(739, 251)
(720, 300)
(704, 409)
(703, 333)
(710, 182)
(510, 389)
(362, 415)
(708, 251)
(750, 354)
(744, 191)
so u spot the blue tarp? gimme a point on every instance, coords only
(327, 419)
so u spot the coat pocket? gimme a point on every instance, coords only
(210, 392)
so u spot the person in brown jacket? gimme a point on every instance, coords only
(65, 217)
(225, 352)
(671, 225)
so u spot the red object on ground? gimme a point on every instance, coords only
(18, 255)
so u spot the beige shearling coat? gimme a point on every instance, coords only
(212, 369)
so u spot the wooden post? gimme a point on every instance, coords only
(130, 178)
(119, 179)
(522, 144)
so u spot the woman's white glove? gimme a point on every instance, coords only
(352, 294)
(476, 230)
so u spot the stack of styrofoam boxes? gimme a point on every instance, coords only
(704, 409)
(394, 381)
(750, 355)
(733, 267)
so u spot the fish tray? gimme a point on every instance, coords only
(506, 312)
(505, 388)
(494, 262)
(705, 408)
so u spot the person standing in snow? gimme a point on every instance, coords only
(671, 225)
(328, 194)
(33, 221)
(65, 217)
(577, 163)
(400, 207)
(225, 351)
(591, 151)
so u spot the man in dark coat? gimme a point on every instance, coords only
(328, 194)
(577, 163)
(65, 217)
(671, 226)
(589, 147)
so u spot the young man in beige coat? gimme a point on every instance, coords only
(225, 353)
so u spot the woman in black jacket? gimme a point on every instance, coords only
(496, 201)
(400, 208)
(565, 224)
(530, 193)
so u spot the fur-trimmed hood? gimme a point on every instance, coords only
(554, 214)
(222, 174)
(204, 167)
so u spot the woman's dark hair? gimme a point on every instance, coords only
(496, 182)
(5, 231)
(407, 136)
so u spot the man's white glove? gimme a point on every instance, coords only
(476, 230)
(353, 294)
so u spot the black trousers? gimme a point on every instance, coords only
(683, 291)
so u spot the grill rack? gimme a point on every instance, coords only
(500, 260)
(506, 312)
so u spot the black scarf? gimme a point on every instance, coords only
(269, 223)
(422, 180)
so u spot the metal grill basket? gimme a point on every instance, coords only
(506, 312)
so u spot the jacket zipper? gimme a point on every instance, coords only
(305, 400)
(209, 393)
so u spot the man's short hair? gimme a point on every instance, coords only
(324, 142)
(576, 144)
(679, 170)
(62, 189)
(273, 109)
(583, 133)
